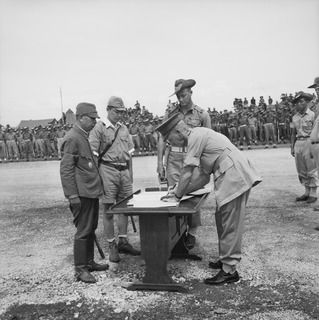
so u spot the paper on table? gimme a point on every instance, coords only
(150, 200)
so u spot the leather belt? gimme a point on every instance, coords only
(314, 142)
(134, 135)
(178, 149)
(117, 166)
(303, 138)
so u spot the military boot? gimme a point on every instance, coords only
(113, 252)
(126, 247)
(81, 262)
(93, 266)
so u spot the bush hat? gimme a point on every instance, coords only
(181, 84)
(315, 83)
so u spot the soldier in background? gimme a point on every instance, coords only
(60, 133)
(10, 137)
(252, 126)
(134, 132)
(269, 120)
(3, 146)
(27, 141)
(194, 116)
(233, 128)
(142, 136)
(243, 130)
(149, 139)
(302, 123)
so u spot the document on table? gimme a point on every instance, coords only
(150, 200)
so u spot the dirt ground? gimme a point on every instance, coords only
(279, 269)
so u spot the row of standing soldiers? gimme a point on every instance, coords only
(266, 125)
(27, 144)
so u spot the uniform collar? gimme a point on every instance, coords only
(306, 112)
(109, 124)
(81, 131)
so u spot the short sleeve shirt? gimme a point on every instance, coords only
(303, 123)
(195, 117)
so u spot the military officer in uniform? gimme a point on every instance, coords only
(82, 186)
(302, 124)
(195, 117)
(212, 153)
(111, 142)
(314, 136)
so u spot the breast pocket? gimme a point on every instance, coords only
(193, 122)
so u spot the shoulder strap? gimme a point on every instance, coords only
(108, 146)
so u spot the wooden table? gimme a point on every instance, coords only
(162, 235)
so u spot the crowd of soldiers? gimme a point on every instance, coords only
(31, 143)
(249, 123)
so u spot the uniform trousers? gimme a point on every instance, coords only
(13, 151)
(3, 150)
(136, 142)
(253, 132)
(174, 168)
(229, 223)
(270, 132)
(59, 144)
(85, 217)
(233, 134)
(40, 147)
(305, 165)
(244, 132)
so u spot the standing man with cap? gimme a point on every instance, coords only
(302, 124)
(213, 153)
(194, 116)
(315, 107)
(82, 186)
(314, 136)
(112, 144)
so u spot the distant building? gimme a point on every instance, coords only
(35, 123)
(69, 117)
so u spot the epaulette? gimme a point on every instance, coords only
(199, 109)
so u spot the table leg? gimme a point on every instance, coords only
(154, 234)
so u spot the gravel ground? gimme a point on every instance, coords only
(279, 270)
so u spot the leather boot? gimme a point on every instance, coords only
(93, 266)
(125, 247)
(113, 252)
(81, 262)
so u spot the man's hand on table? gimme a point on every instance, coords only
(170, 197)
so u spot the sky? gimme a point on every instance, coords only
(136, 49)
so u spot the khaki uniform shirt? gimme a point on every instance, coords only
(103, 134)
(303, 123)
(195, 117)
(214, 153)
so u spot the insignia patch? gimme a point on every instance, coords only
(90, 165)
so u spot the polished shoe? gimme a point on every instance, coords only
(222, 277)
(125, 247)
(190, 241)
(215, 265)
(302, 198)
(93, 266)
(311, 199)
(82, 274)
(113, 252)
